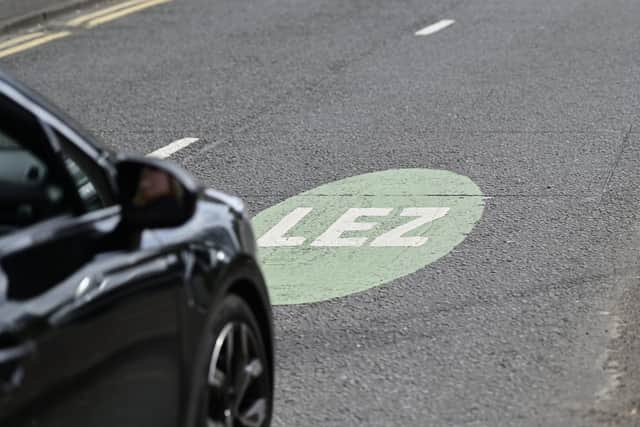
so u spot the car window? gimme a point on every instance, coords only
(28, 190)
(89, 179)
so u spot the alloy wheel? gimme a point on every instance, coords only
(238, 387)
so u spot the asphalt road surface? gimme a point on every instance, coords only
(530, 320)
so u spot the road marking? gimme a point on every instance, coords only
(123, 12)
(396, 237)
(31, 42)
(20, 39)
(82, 19)
(175, 146)
(434, 28)
(369, 230)
(90, 20)
(608, 362)
(276, 236)
(347, 223)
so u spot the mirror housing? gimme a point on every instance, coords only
(154, 194)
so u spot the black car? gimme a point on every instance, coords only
(129, 295)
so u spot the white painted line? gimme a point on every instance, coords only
(434, 28)
(347, 222)
(394, 238)
(166, 151)
(276, 236)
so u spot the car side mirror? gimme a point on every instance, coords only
(154, 193)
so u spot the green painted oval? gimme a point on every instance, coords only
(306, 273)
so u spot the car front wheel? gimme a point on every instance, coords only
(237, 390)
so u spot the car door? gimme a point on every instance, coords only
(88, 320)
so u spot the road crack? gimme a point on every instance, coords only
(623, 146)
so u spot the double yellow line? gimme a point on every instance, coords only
(88, 20)
(28, 41)
(107, 14)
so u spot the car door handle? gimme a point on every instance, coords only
(11, 371)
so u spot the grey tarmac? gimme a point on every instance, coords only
(533, 319)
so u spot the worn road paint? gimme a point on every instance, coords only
(89, 20)
(84, 18)
(351, 235)
(124, 12)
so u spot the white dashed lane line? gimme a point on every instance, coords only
(164, 152)
(434, 28)
(175, 146)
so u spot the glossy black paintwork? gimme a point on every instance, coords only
(112, 343)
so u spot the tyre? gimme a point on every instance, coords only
(235, 380)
